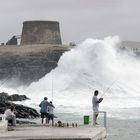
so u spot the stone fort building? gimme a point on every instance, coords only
(34, 55)
(40, 32)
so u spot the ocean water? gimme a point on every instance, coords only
(93, 64)
(126, 129)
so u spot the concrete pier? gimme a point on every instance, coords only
(44, 132)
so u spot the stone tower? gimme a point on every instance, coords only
(40, 32)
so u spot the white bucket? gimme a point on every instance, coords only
(3, 124)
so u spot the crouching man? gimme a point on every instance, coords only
(10, 116)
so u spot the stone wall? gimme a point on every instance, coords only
(28, 63)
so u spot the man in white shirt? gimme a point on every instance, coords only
(95, 104)
(51, 115)
(10, 116)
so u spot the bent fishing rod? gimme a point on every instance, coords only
(52, 86)
(109, 87)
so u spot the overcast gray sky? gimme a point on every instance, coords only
(79, 19)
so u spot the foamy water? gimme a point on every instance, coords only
(93, 64)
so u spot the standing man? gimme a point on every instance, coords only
(95, 104)
(44, 109)
(51, 115)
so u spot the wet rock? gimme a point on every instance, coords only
(21, 110)
(16, 97)
(4, 97)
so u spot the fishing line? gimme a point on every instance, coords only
(109, 87)
(106, 90)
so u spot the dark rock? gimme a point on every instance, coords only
(21, 111)
(12, 41)
(26, 112)
(16, 97)
(4, 97)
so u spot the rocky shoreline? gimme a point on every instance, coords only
(22, 111)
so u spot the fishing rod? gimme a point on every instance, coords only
(85, 77)
(109, 87)
(89, 82)
(52, 86)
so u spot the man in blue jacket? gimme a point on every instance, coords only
(44, 109)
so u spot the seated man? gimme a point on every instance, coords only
(10, 116)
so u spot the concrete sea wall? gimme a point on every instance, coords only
(27, 63)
